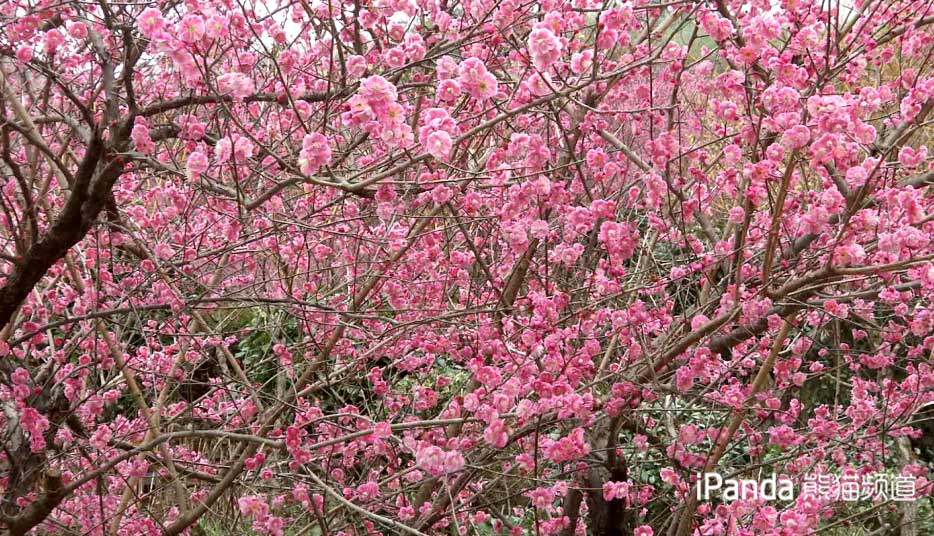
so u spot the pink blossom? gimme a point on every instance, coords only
(190, 29)
(238, 148)
(368, 491)
(441, 194)
(163, 251)
(542, 497)
(476, 80)
(35, 424)
(796, 137)
(545, 47)
(356, 66)
(615, 490)
(274, 526)
(909, 157)
(378, 93)
(78, 30)
(52, 40)
(216, 27)
(581, 61)
(197, 164)
(24, 53)
(316, 152)
(669, 476)
(453, 462)
(142, 139)
(570, 447)
(237, 85)
(150, 22)
(448, 90)
(253, 506)
(102, 437)
(496, 433)
(440, 245)
(438, 144)
(20, 376)
(431, 458)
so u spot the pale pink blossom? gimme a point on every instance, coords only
(237, 85)
(544, 47)
(197, 164)
(476, 80)
(315, 153)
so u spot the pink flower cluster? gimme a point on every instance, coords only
(438, 462)
(35, 424)
(436, 133)
(256, 507)
(544, 47)
(568, 448)
(235, 148)
(238, 85)
(375, 109)
(197, 164)
(315, 153)
(476, 80)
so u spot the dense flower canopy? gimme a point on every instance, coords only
(462, 266)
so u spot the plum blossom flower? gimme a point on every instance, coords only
(541, 497)
(20, 376)
(236, 147)
(216, 26)
(35, 424)
(431, 458)
(368, 491)
(620, 239)
(643, 530)
(438, 145)
(615, 490)
(253, 506)
(435, 134)
(448, 90)
(477, 80)
(570, 447)
(438, 462)
(190, 29)
(356, 66)
(378, 93)
(581, 61)
(52, 40)
(141, 138)
(102, 437)
(197, 164)
(163, 251)
(374, 108)
(237, 85)
(453, 461)
(78, 30)
(910, 157)
(796, 137)
(150, 22)
(24, 53)
(669, 476)
(315, 153)
(737, 215)
(441, 194)
(545, 47)
(496, 433)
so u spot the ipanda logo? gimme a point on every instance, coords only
(847, 487)
(731, 489)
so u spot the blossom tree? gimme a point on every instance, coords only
(473, 267)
